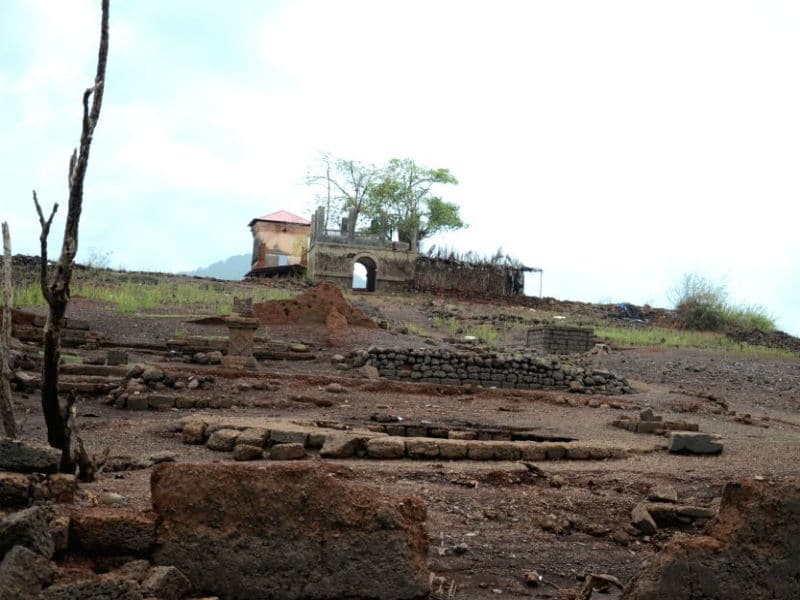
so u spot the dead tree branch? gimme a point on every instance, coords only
(56, 289)
(6, 408)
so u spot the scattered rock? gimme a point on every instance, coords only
(14, 490)
(255, 436)
(244, 452)
(166, 583)
(135, 371)
(461, 548)
(102, 531)
(222, 440)
(647, 415)
(28, 457)
(368, 372)
(135, 570)
(104, 587)
(163, 456)
(663, 493)
(152, 375)
(386, 447)
(161, 401)
(642, 520)
(27, 528)
(335, 388)
(194, 432)
(290, 451)
(23, 573)
(116, 357)
(533, 579)
(343, 445)
(687, 442)
(59, 530)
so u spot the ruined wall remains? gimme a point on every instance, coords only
(560, 339)
(482, 279)
(278, 244)
(520, 371)
(333, 263)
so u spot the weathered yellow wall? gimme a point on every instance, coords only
(334, 263)
(279, 238)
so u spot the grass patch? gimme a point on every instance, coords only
(450, 324)
(131, 295)
(485, 334)
(673, 338)
(412, 328)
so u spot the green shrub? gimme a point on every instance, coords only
(704, 306)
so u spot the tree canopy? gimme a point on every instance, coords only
(399, 194)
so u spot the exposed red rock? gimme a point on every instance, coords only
(750, 550)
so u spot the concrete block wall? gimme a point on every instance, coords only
(561, 339)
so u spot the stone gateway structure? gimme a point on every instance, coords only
(369, 260)
(333, 253)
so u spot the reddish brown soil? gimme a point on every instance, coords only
(489, 522)
(321, 304)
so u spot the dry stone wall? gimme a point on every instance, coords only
(518, 370)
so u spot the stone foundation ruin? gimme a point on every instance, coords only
(524, 371)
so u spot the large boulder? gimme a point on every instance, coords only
(23, 573)
(28, 457)
(285, 531)
(27, 528)
(112, 531)
(750, 550)
(15, 490)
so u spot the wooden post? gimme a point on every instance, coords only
(56, 289)
(6, 408)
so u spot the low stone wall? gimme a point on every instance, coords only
(270, 440)
(519, 370)
(561, 339)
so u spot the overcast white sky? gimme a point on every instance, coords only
(616, 145)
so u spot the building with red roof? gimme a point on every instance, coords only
(280, 239)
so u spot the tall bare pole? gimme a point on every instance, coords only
(6, 408)
(55, 288)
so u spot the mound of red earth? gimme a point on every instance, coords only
(288, 532)
(321, 304)
(750, 550)
(770, 339)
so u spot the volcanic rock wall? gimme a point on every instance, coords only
(520, 370)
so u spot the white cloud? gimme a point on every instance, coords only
(616, 144)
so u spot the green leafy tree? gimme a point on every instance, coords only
(343, 185)
(405, 195)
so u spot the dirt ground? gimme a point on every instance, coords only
(490, 523)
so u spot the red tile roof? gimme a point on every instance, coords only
(283, 216)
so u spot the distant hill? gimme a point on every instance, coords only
(233, 267)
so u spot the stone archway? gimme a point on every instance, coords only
(364, 273)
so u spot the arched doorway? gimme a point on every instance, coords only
(364, 274)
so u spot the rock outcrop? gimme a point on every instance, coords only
(287, 531)
(750, 550)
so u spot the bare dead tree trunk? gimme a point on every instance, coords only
(56, 290)
(6, 408)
